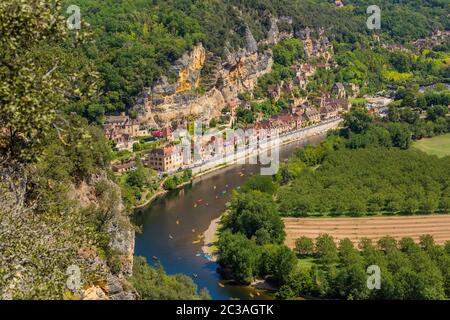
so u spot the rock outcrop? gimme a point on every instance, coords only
(171, 104)
(274, 32)
(252, 46)
(121, 238)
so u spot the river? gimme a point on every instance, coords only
(171, 224)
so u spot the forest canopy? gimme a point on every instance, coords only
(132, 43)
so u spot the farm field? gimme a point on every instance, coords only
(372, 228)
(439, 146)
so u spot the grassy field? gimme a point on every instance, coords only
(439, 146)
(305, 263)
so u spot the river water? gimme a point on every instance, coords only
(172, 223)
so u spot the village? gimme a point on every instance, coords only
(167, 156)
(158, 148)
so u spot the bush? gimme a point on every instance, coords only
(304, 246)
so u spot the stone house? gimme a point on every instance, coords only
(274, 91)
(124, 167)
(339, 90)
(166, 159)
(328, 112)
(311, 114)
(123, 130)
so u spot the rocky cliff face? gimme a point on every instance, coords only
(121, 239)
(206, 84)
(170, 104)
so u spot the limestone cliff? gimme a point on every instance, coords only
(205, 83)
(121, 238)
(170, 104)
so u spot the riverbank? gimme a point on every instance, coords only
(158, 194)
(186, 214)
(210, 238)
(283, 140)
(211, 234)
(214, 166)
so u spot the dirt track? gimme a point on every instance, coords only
(373, 228)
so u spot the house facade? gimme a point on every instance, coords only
(166, 159)
(123, 131)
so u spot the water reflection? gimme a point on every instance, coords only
(172, 226)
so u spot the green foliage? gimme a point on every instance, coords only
(436, 112)
(252, 211)
(400, 135)
(312, 156)
(43, 244)
(277, 262)
(244, 116)
(358, 120)
(173, 182)
(155, 284)
(288, 51)
(304, 246)
(408, 271)
(376, 180)
(29, 92)
(326, 250)
(260, 183)
(240, 254)
(137, 178)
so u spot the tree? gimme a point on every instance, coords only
(408, 101)
(436, 112)
(137, 178)
(347, 253)
(260, 183)
(253, 210)
(171, 183)
(244, 116)
(42, 244)
(408, 115)
(187, 175)
(351, 282)
(283, 261)
(35, 82)
(393, 113)
(358, 120)
(288, 51)
(357, 208)
(299, 282)
(304, 246)
(240, 254)
(155, 284)
(400, 134)
(387, 244)
(326, 250)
